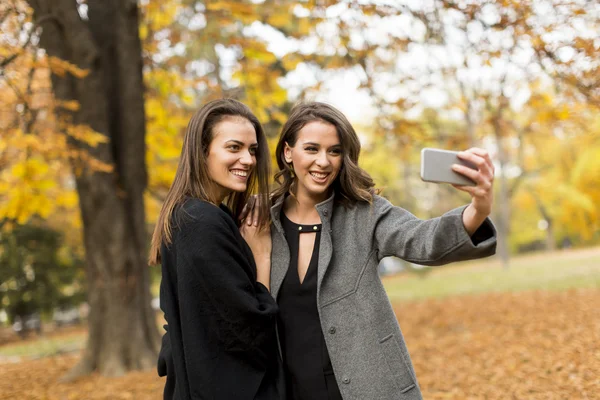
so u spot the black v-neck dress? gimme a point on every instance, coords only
(309, 374)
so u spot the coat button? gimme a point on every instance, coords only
(346, 380)
(325, 212)
(332, 330)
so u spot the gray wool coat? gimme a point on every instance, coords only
(367, 349)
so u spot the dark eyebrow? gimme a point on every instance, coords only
(318, 145)
(240, 143)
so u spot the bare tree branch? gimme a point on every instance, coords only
(5, 62)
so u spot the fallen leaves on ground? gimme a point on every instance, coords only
(528, 345)
(39, 380)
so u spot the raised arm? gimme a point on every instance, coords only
(435, 241)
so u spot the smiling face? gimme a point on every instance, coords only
(316, 158)
(231, 156)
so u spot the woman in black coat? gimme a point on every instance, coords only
(220, 341)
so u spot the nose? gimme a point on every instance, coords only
(322, 159)
(247, 158)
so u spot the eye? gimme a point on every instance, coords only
(335, 152)
(310, 148)
(234, 147)
(253, 151)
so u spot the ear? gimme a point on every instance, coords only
(287, 153)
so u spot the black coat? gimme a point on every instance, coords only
(220, 342)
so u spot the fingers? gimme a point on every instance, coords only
(255, 216)
(252, 218)
(480, 158)
(481, 194)
(483, 182)
(247, 231)
(244, 213)
(483, 176)
(472, 190)
(248, 207)
(248, 211)
(470, 173)
(479, 151)
(463, 188)
(253, 212)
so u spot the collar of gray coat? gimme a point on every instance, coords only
(324, 209)
(280, 257)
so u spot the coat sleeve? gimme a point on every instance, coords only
(435, 241)
(216, 276)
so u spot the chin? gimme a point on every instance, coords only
(318, 191)
(239, 188)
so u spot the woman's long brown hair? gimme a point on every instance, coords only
(192, 179)
(353, 184)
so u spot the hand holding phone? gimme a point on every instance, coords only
(470, 171)
(436, 166)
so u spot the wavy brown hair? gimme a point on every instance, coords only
(353, 184)
(192, 179)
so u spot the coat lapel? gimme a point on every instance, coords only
(280, 254)
(325, 210)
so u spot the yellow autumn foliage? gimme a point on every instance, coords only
(197, 52)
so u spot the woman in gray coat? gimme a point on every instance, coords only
(337, 331)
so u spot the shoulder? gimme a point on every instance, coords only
(377, 206)
(194, 213)
(381, 203)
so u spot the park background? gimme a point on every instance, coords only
(95, 96)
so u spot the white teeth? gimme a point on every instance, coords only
(239, 172)
(318, 175)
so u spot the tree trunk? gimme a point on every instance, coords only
(550, 243)
(503, 213)
(122, 328)
(408, 198)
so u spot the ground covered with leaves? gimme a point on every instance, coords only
(527, 345)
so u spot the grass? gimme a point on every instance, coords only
(61, 341)
(560, 270)
(42, 347)
(547, 271)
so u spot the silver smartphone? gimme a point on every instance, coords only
(436, 166)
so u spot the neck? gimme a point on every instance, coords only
(218, 194)
(302, 207)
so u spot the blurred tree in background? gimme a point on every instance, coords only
(87, 147)
(97, 131)
(39, 273)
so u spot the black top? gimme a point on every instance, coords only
(220, 343)
(309, 374)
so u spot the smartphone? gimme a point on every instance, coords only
(436, 166)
